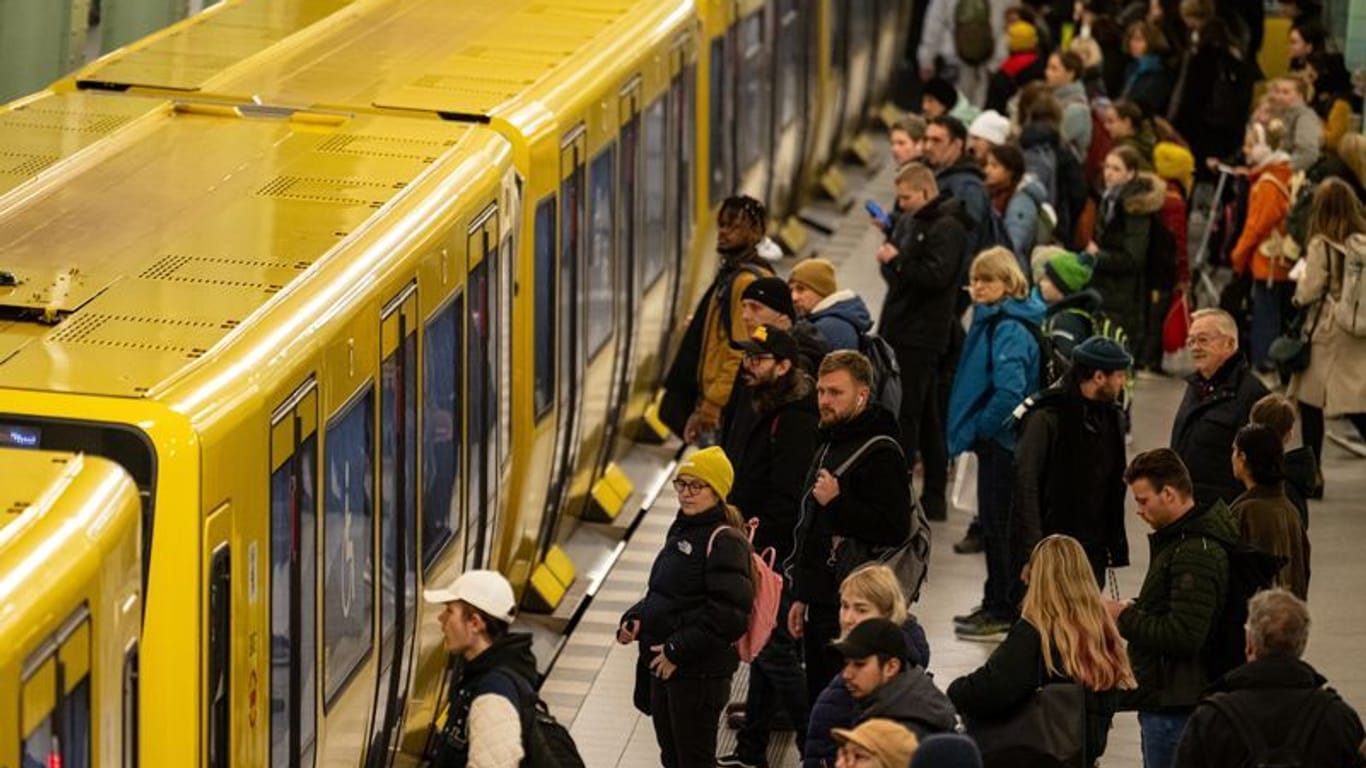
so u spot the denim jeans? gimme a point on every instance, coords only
(776, 682)
(1161, 732)
(995, 478)
(1271, 309)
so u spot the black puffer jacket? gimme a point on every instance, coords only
(966, 181)
(1273, 693)
(697, 604)
(1122, 234)
(873, 505)
(771, 448)
(922, 281)
(1209, 418)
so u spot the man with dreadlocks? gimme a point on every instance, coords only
(704, 371)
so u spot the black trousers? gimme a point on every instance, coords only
(922, 425)
(1312, 428)
(822, 661)
(686, 713)
(776, 681)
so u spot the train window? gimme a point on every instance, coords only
(441, 446)
(544, 309)
(478, 427)
(218, 684)
(54, 707)
(685, 101)
(130, 707)
(789, 60)
(347, 540)
(293, 558)
(599, 271)
(752, 120)
(653, 177)
(716, 105)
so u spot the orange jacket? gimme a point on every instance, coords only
(1267, 206)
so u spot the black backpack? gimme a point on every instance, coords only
(546, 742)
(1052, 363)
(1290, 752)
(1250, 570)
(886, 371)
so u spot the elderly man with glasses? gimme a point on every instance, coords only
(1219, 399)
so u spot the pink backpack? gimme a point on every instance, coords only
(768, 592)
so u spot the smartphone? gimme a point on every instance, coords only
(877, 213)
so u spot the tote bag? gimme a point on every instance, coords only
(1048, 730)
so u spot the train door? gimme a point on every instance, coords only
(218, 679)
(55, 719)
(397, 517)
(293, 561)
(789, 96)
(681, 144)
(570, 352)
(628, 290)
(481, 402)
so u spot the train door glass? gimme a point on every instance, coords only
(543, 321)
(441, 419)
(482, 396)
(54, 705)
(721, 109)
(681, 141)
(218, 683)
(569, 355)
(293, 559)
(598, 274)
(348, 531)
(752, 122)
(397, 516)
(788, 58)
(627, 234)
(654, 178)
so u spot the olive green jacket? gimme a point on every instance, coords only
(1182, 596)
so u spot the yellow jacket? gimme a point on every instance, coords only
(720, 359)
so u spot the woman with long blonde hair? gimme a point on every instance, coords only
(1064, 635)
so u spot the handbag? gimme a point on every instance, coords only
(1177, 324)
(1049, 729)
(1290, 351)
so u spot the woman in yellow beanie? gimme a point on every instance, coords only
(1022, 66)
(697, 605)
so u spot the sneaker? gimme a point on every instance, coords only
(735, 706)
(968, 618)
(733, 760)
(971, 543)
(984, 630)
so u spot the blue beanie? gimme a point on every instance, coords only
(947, 750)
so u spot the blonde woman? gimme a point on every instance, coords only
(1065, 634)
(869, 592)
(998, 369)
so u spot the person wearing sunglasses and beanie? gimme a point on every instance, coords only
(696, 606)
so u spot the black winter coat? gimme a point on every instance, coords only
(1069, 476)
(771, 451)
(697, 604)
(1273, 692)
(922, 282)
(1122, 234)
(1209, 418)
(912, 699)
(1013, 673)
(873, 505)
(966, 181)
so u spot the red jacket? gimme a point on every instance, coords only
(1174, 219)
(1267, 206)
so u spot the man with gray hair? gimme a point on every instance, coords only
(1218, 402)
(1274, 710)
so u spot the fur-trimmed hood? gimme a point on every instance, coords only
(1144, 195)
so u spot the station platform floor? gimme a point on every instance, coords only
(589, 687)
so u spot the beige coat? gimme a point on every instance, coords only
(1336, 377)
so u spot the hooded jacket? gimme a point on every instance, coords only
(1209, 417)
(1268, 521)
(966, 181)
(771, 448)
(1182, 596)
(483, 725)
(1274, 693)
(1124, 226)
(1022, 214)
(1062, 174)
(698, 602)
(1076, 117)
(1069, 475)
(841, 318)
(998, 369)
(1268, 205)
(1070, 321)
(922, 281)
(873, 505)
(1013, 673)
(912, 699)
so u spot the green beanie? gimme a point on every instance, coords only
(1070, 272)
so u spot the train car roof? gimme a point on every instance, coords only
(457, 60)
(152, 246)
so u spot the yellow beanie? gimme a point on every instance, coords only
(711, 466)
(1174, 163)
(1022, 37)
(816, 274)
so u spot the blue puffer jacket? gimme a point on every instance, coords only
(1022, 217)
(841, 317)
(985, 391)
(835, 706)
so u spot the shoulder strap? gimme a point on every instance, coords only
(1313, 711)
(1284, 190)
(750, 527)
(1252, 739)
(862, 449)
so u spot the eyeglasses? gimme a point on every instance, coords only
(689, 487)
(757, 356)
(1203, 340)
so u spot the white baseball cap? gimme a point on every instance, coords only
(992, 126)
(486, 590)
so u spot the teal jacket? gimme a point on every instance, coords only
(996, 372)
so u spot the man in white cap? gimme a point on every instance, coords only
(989, 129)
(495, 692)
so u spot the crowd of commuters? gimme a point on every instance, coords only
(1036, 241)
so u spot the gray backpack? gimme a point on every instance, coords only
(973, 40)
(1349, 312)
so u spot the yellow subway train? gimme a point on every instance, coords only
(342, 297)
